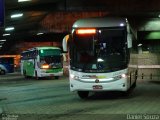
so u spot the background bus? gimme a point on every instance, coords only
(6, 65)
(100, 60)
(42, 62)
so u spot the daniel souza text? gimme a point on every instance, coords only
(143, 117)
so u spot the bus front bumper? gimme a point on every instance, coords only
(118, 85)
(51, 74)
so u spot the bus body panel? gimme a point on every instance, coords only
(28, 66)
(108, 81)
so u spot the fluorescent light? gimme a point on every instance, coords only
(2, 40)
(139, 44)
(9, 28)
(40, 33)
(17, 15)
(0, 45)
(100, 60)
(23, 0)
(6, 34)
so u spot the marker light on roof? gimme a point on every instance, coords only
(86, 31)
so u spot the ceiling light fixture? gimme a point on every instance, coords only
(2, 40)
(9, 28)
(23, 0)
(40, 33)
(139, 44)
(17, 15)
(7, 34)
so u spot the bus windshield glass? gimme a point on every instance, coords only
(51, 57)
(104, 51)
(50, 52)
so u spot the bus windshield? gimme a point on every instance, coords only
(105, 51)
(50, 52)
(52, 57)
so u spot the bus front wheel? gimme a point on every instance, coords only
(56, 77)
(36, 75)
(24, 73)
(83, 94)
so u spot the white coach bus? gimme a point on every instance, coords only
(100, 56)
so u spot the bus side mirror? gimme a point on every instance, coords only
(65, 43)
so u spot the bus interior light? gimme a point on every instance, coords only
(86, 31)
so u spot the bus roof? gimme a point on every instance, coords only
(100, 22)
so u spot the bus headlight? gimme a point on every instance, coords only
(74, 77)
(45, 66)
(124, 75)
(120, 76)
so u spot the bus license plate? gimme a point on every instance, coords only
(97, 87)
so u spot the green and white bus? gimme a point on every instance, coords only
(42, 62)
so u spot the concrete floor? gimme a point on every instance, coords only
(29, 99)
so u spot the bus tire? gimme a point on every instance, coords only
(36, 76)
(24, 73)
(134, 84)
(56, 77)
(126, 93)
(83, 94)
